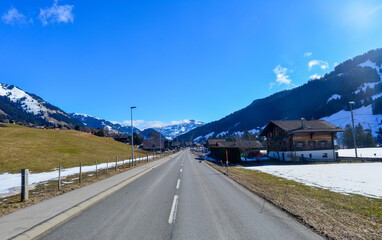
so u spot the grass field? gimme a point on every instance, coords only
(334, 215)
(42, 150)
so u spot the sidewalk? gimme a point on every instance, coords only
(18, 222)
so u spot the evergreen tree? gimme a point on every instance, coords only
(379, 136)
(363, 137)
(137, 140)
(348, 137)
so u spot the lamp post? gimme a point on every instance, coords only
(352, 119)
(160, 144)
(132, 136)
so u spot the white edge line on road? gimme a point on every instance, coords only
(177, 184)
(173, 210)
(44, 226)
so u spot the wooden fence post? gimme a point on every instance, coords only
(107, 167)
(96, 168)
(80, 177)
(24, 185)
(59, 177)
(116, 163)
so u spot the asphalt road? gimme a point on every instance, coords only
(182, 199)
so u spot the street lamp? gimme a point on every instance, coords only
(352, 119)
(132, 136)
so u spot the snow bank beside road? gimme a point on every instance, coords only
(359, 178)
(10, 183)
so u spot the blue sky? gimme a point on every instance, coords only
(176, 60)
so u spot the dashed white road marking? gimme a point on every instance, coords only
(177, 184)
(181, 170)
(172, 216)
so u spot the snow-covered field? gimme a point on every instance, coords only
(359, 178)
(10, 183)
(362, 152)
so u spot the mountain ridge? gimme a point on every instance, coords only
(357, 79)
(16, 104)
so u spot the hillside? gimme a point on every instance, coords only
(357, 79)
(16, 104)
(42, 150)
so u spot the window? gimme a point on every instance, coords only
(310, 155)
(300, 144)
(323, 143)
(312, 143)
(325, 155)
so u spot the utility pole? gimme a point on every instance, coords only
(132, 136)
(352, 119)
(160, 144)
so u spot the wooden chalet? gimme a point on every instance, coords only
(294, 140)
(122, 138)
(153, 144)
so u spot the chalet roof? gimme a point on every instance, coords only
(253, 144)
(302, 126)
(215, 141)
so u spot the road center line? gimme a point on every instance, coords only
(172, 216)
(181, 169)
(177, 184)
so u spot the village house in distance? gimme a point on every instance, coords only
(296, 140)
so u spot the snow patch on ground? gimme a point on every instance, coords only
(334, 97)
(197, 139)
(222, 133)
(358, 178)
(362, 152)
(362, 115)
(364, 86)
(209, 135)
(239, 133)
(10, 183)
(255, 159)
(376, 96)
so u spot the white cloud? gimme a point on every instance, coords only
(13, 16)
(336, 64)
(322, 64)
(281, 75)
(315, 76)
(307, 54)
(142, 124)
(56, 14)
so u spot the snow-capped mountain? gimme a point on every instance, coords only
(95, 122)
(356, 80)
(16, 104)
(174, 130)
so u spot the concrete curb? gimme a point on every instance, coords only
(61, 217)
